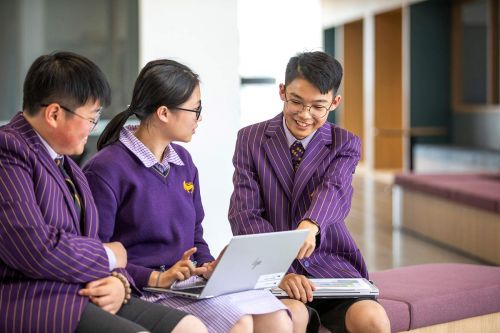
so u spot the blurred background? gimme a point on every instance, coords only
(421, 85)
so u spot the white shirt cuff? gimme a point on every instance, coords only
(111, 258)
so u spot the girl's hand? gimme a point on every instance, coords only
(182, 270)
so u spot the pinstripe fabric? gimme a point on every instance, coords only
(44, 260)
(268, 196)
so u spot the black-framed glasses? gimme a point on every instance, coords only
(197, 111)
(315, 110)
(93, 121)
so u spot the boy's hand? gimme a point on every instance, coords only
(298, 287)
(310, 243)
(107, 293)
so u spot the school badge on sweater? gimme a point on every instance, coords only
(188, 187)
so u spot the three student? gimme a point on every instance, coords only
(291, 172)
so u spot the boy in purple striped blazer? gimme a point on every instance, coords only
(55, 273)
(294, 171)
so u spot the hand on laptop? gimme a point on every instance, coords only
(182, 270)
(310, 243)
(298, 287)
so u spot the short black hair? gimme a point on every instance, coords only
(64, 77)
(320, 69)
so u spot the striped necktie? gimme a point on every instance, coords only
(297, 151)
(72, 188)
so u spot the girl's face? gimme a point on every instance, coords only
(184, 122)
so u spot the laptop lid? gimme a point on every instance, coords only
(255, 261)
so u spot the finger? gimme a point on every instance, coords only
(96, 283)
(313, 286)
(200, 270)
(187, 272)
(302, 292)
(294, 290)
(301, 252)
(188, 253)
(307, 289)
(309, 251)
(94, 292)
(288, 291)
(179, 276)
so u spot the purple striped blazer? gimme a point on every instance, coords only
(268, 196)
(44, 256)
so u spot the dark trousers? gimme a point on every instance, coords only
(136, 316)
(331, 312)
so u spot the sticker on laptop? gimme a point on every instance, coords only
(269, 280)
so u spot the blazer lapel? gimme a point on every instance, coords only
(277, 150)
(31, 137)
(315, 153)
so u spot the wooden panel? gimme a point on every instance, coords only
(459, 226)
(388, 89)
(486, 323)
(352, 112)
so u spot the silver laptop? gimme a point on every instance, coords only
(257, 261)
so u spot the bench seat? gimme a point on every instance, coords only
(426, 295)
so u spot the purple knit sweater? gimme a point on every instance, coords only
(156, 218)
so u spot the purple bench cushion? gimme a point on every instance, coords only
(438, 293)
(479, 190)
(398, 313)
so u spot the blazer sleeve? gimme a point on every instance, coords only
(246, 207)
(331, 200)
(202, 254)
(28, 242)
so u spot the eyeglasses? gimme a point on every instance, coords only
(93, 121)
(315, 110)
(197, 111)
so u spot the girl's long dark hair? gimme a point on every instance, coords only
(160, 83)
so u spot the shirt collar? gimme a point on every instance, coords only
(50, 150)
(143, 153)
(291, 139)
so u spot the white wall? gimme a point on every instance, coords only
(204, 36)
(270, 33)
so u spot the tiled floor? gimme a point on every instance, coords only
(370, 222)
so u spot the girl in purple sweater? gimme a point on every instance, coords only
(148, 197)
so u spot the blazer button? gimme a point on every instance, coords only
(306, 263)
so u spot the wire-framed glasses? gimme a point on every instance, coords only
(316, 110)
(93, 121)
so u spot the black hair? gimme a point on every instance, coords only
(64, 77)
(161, 82)
(318, 68)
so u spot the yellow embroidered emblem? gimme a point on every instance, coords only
(188, 187)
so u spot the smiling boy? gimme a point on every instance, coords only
(294, 171)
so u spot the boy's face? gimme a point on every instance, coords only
(73, 130)
(305, 108)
